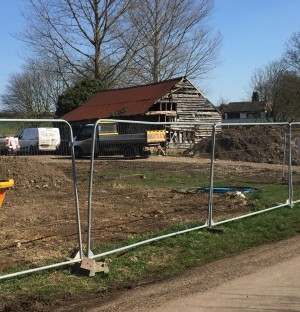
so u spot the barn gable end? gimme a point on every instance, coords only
(185, 103)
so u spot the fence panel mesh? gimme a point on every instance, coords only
(135, 184)
(140, 195)
(250, 169)
(38, 220)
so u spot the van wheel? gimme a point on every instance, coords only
(129, 152)
(31, 150)
(78, 152)
(141, 151)
(145, 154)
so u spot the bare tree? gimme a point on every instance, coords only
(81, 36)
(276, 83)
(34, 91)
(173, 39)
(265, 80)
(288, 98)
(292, 53)
(143, 40)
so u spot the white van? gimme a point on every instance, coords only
(35, 140)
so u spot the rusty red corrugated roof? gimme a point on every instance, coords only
(133, 101)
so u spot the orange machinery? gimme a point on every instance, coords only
(4, 185)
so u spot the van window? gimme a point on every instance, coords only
(86, 133)
(109, 128)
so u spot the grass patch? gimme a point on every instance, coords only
(146, 177)
(163, 258)
(269, 194)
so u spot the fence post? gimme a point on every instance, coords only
(209, 220)
(290, 200)
(89, 225)
(75, 191)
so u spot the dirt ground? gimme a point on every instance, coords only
(38, 220)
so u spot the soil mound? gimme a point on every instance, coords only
(29, 173)
(257, 144)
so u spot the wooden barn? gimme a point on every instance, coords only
(175, 100)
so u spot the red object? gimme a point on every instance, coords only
(132, 101)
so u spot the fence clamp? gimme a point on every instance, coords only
(94, 267)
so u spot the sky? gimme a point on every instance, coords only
(254, 34)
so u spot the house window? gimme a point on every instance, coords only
(155, 107)
(233, 115)
(263, 114)
(171, 106)
(171, 119)
(253, 115)
(164, 106)
(179, 136)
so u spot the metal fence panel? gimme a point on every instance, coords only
(222, 178)
(295, 161)
(251, 169)
(39, 218)
(141, 196)
(235, 171)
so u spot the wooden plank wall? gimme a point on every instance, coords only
(191, 106)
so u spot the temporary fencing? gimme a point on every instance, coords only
(131, 196)
(250, 162)
(205, 193)
(294, 173)
(39, 218)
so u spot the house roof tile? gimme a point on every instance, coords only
(245, 106)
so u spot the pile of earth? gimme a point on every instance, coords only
(29, 172)
(258, 144)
